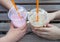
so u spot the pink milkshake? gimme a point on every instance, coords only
(16, 20)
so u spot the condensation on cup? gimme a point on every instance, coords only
(16, 20)
(42, 17)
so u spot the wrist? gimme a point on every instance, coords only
(7, 38)
(51, 16)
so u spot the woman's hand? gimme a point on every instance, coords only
(14, 34)
(50, 17)
(49, 32)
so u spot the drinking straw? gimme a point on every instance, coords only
(37, 10)
(15, 7)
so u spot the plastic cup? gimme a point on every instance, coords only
(42, 18)
(16, 20)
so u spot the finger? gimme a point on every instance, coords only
(24, 31)
(49, 25)
(24, 27)
(21, 29)
(41, 33)
(32, 27)
(34, 31)
(42, 29)
(47, 37)
(44, 36)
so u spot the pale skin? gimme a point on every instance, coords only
(6, 3)
(14, 34)
(49, 31)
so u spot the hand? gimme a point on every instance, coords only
(50, 32)
(14, 34)
(50, 16)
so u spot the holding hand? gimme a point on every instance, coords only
(14, 34)
(49, 32)
(50, 17)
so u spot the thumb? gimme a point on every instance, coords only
(49, 25)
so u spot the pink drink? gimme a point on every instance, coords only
(16, 20)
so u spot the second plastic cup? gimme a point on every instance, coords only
(41, 20)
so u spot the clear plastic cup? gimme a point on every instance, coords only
(16, 20)
(42, 18)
